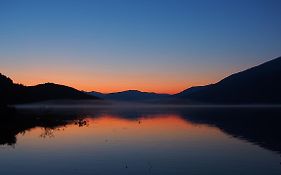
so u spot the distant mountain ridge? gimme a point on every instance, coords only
(258, 85)
(129, 95)
(11, 93)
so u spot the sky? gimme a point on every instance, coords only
(162, 46)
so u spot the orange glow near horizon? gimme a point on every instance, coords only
(113, 85)
(106, 78)
(107, 83)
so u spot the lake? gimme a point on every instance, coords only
(141, 141)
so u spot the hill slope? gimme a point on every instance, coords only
(11, 93)
(258, 85)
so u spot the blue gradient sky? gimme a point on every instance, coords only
(160, 46)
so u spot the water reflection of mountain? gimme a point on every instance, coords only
(259, 126)
(13, 122)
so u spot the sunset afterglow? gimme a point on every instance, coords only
(111, 46)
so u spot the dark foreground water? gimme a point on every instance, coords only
(141, 141)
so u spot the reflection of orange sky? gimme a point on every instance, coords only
(169, 125)
(156, 127)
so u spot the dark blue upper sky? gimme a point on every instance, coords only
(154, 45)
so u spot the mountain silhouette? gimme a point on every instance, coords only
(129, 95)
(258, 85)
(11, 93)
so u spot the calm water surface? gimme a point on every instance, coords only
(140, 142)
